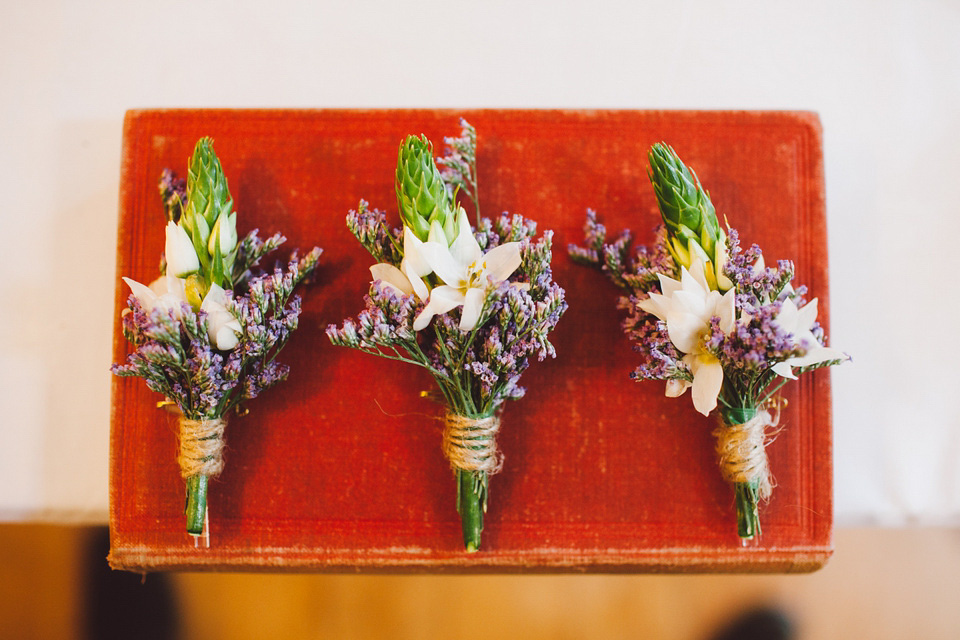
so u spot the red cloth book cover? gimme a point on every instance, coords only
(340, 467)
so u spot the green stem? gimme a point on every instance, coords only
(196, 504)
(748, 517)
(466, 398)
(746, 494)
(471, 503)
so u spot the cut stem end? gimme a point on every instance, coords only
(748, 514)
(196, 509)
(471, 503)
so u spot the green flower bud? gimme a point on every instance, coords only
(195, 289)
(421, 194)
(208, 218)
(224, 234)
(692, 228)
(207, 191)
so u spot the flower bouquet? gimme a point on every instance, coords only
(471, 306)
(206, 333)
(713, 318)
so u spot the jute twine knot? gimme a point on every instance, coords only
(201, 447)
(742, 452)
(470, 444)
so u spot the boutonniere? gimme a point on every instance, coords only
(207, 331)
(470, 304)
(715, 319)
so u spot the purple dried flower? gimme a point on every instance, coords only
(173, 352)
(173, 192)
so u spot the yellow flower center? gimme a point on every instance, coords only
(475, 276)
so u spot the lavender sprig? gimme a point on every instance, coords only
(460, 165)
(370, 228)
(174, 355)
(173, 192)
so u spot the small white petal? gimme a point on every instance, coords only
(436, 233)
(656, 304)
(172, 292)
(707, 381)
(500, 262)
(413, 254)
(684, 330)
(220, 321)
(389, 275)
(226, 339)
(178, 250)
(816, 356)
(784, 370)
(442, 299)
(726, 310)
(697, 271)
(807, 315)
(787, 318)
(166, 292)
(444, 264)
(215, 296)
(228, 234)
(723, 282)
(462, 220)
(144, 294)
(472, 307)
(416, 282)
(165, 284)
(693, 303)
(464, 248)
(668, 285)
(676, 387)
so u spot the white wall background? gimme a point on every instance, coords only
(884, 76)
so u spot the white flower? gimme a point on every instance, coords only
(166, 292)
(222, 326)
(180, 255)
(467, 274)
(169, 293)
(799, 323)
(408, 279)
(687, 307)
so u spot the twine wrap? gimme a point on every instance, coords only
(742, 452)
(201, 447)
(470, 444)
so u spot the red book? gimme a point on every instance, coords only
(340, 469)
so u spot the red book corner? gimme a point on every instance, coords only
(340, 467)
